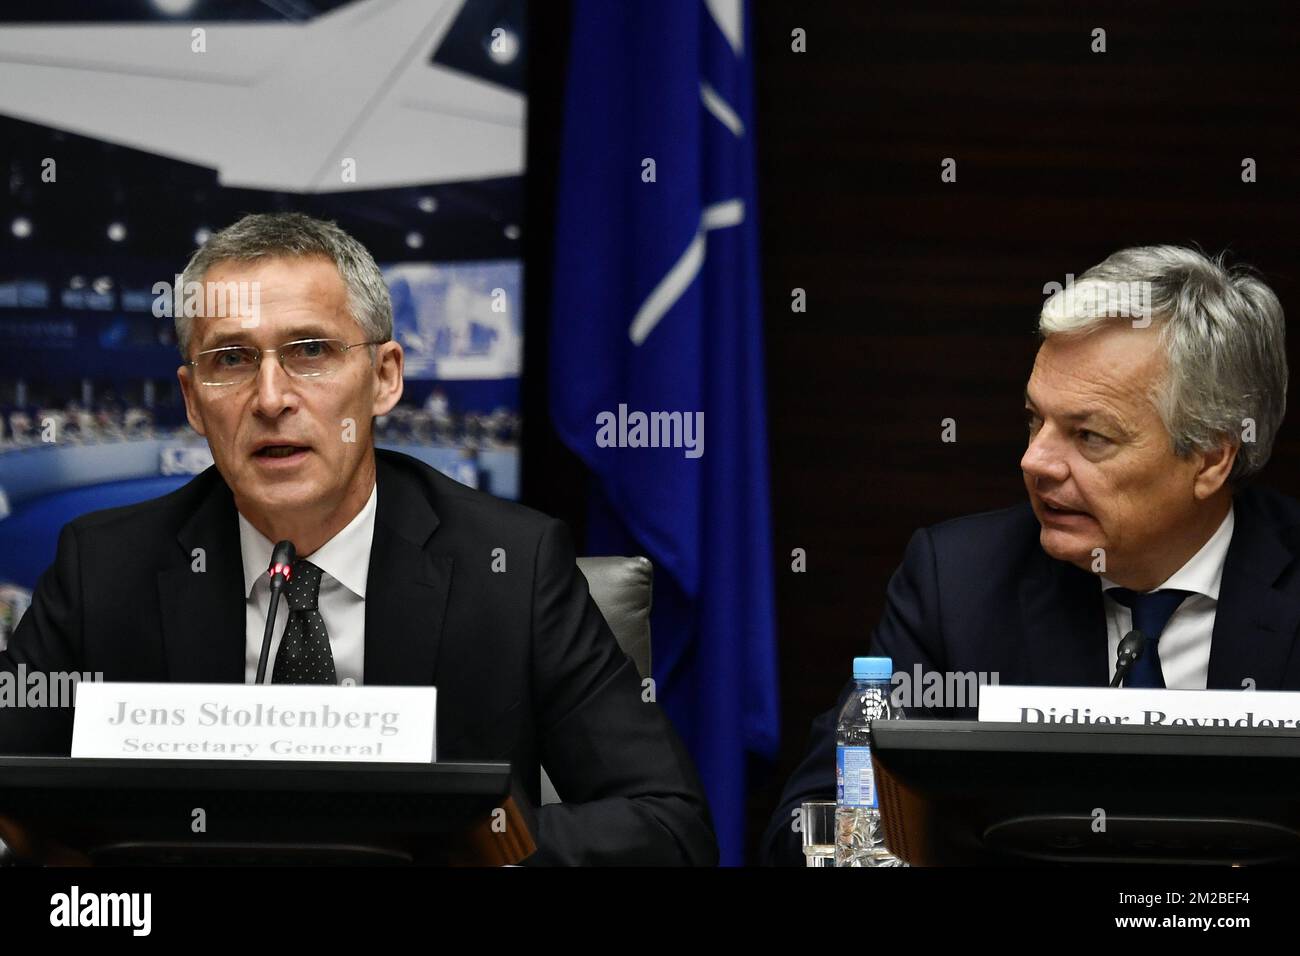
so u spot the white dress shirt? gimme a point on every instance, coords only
(1185, 641)
(345, 561)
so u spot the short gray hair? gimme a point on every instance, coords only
(292, 235)
(1224, 337)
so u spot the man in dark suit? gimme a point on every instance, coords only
(1155, 396)
(410, 577)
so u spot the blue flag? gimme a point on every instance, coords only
(656, 377)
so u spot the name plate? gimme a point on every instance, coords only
(1139, 707)
(255, 722)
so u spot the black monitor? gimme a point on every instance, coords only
(965, 792)
(57, 809)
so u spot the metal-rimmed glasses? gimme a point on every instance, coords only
(302, 358)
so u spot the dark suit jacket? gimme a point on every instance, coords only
(526, 668)
(980, 594)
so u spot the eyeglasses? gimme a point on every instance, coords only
(305, 358)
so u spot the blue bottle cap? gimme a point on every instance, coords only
(873, 668)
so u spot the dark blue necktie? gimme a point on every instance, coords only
(1151, 612)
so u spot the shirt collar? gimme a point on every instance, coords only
(344, 557)
(1203, 572)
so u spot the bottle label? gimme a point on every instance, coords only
(855, 779)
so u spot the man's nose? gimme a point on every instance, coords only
(275, 388)
(1045, 456)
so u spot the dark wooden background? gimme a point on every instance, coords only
(922, 295)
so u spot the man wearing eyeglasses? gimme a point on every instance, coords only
(403, 577)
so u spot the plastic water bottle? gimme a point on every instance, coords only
(859, 836)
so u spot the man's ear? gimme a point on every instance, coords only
(389, 365)
(1216, 465)
(189, 390)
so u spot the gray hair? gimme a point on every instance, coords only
(292, 234)
(1223, 333)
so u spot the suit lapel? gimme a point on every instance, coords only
(1064, 624)
(1254, 623)
(406, 587)
(203, 610)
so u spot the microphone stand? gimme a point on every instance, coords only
(280, 571)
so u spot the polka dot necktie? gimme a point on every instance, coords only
(304, 656)
(1151, 612)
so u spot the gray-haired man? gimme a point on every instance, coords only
(396, 582)
(1156, 394)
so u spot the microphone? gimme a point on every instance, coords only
(280, 570)
(1130, 649)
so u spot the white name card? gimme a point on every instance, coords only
(1139, 707)
(255, 722)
